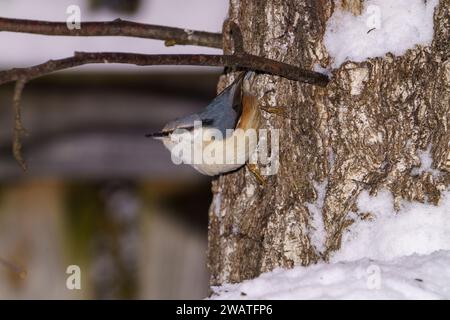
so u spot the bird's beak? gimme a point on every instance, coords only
(157, 135)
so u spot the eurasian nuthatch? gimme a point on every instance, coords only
(222, 130)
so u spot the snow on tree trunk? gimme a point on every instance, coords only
(364, 131)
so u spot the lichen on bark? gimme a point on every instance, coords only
(363, 131)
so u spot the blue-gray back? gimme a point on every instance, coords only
(222, 113)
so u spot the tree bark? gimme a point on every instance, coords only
(363, 131)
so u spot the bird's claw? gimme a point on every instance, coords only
(274, 110)
(253, 168)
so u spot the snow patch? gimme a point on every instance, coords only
(358, 78)
(331, 158)
(426, 160)
(318, 233)
(326, 71)
(384, 26)
(217, 203)
(417, 228)
(413, 277)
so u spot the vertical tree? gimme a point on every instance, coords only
(362, 131)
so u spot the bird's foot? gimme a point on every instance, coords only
(275, 110)
(253, 168)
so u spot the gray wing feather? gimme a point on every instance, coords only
(226, 108)
(222, 113)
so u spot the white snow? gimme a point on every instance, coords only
(413, 277)
(217, 203)
(426, 161)
(384, 26)
(318, 233)
(393, 255)
(416, 228)
(326, 71)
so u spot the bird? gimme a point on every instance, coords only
(221, 137)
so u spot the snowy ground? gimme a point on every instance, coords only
(413, 277)
(394, 255)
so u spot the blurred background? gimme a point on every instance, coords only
(98, 194)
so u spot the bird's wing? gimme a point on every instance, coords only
(222, 113)
(226, 108)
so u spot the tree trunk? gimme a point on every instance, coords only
(363, 131)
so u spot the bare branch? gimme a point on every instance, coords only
(19, 130)
(118, 27)
(240, 59)
(244, 61)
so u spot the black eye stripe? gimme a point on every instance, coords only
(157, 134)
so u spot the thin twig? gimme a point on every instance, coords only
(244, 61)
(18, 127)
(118, 27)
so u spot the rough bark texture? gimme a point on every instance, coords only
(363, 131)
